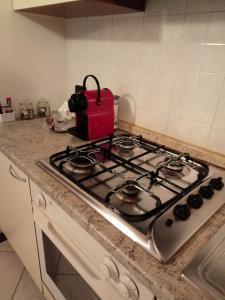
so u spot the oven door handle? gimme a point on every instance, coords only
(75, 252)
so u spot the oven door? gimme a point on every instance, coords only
(59, 274)
(66, 271)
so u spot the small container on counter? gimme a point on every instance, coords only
(116, 110)
(8, 101)
(6, 111)
(43, 109)
(9, 117)
(26, 111)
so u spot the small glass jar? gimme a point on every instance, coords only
(43, 109)
(26, 110)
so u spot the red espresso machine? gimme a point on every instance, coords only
(94, 111)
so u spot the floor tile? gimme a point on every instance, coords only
(27, 289)
(10, 272)
(6, 247)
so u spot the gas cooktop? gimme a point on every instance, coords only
(155, 195)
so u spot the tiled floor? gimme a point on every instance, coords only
(15, 282)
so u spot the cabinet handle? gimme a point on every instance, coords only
(15, 175)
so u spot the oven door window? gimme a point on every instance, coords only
(69, 282)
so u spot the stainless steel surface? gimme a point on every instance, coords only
(159, 179)
(15, 175)
(127, 228)
(173, 237)
(159, 240)
(207, 270)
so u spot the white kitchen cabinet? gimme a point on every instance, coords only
(16, 216)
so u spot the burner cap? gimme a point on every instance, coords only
(127, 145)
(131, 190)
(81, 162)
(176, 166)
(175, 169)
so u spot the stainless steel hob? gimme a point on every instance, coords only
(155, 195)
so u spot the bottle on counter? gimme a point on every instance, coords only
(26, 111)
(43, 108)
(1, 112)
(8, 101)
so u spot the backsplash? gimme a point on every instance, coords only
(167, 64)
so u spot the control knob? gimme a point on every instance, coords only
(206, 191)
(109, 269)
(195, 201)
(40, 201)
(181, 212)
(217, 183)
(127, 288)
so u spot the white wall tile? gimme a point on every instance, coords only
(125, 84)
(217, 140)
(77, 39)
(99, 38)
(214, 59)
(185, 82)
(77, 70)
(126, 37)
(163, 28)
(189, 56)
(103, 70)
(193, 109)
(216, 29)
(205, 5)
(165, 6)
(188, 131)
(154, 101)
(165, 54)
(209, 86)
(149, 119)
(196, 28)
(219, 122)
(156, 79)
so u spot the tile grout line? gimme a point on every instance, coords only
(21, 276)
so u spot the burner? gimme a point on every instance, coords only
(79, 165)
(126, 153)
(129, 194)
(175, 170)
(82, 162)
(127, 145)
(176, 166)
(131, 190)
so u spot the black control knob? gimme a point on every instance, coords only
(206, 191)
(217, 183)
(181, 212)
(195, 201)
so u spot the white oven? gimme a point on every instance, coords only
(74, 266)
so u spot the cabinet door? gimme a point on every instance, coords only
(22, 4)
(16, 216)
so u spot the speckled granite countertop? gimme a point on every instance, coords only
(25, 142)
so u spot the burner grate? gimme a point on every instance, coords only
(100, 162)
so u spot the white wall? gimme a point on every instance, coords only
(168, 64)
(32, 57)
